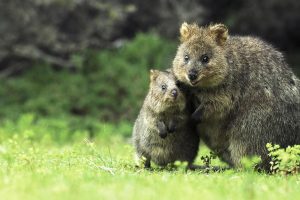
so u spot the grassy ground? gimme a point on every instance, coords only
(33, 165)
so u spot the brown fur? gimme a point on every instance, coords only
(160, 112)
(245, 95)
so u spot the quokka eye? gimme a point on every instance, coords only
(163, 87)
(186, 58)
(204, 59)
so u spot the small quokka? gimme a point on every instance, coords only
(244, 93)
(162, 132)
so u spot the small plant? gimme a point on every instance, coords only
(251, 163)
(284, 160)
(207, 164)
(207, 159)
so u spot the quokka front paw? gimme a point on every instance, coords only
(162, 129)
(171, 126)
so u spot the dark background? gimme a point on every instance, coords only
(88, 60)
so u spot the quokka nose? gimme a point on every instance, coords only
(174, 93)
(192, 76)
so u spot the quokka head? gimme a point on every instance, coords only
(200, 59)
(164, 92)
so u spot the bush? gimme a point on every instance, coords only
(61, 129)
(107, 85)
(284, 161)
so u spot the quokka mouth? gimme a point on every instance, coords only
(174, 105)
(171, 103)
(193, 83)
(199, 79)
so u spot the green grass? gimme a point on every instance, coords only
(36, 165)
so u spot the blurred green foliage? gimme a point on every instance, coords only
(61, 129)
(107, 85)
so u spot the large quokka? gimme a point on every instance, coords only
(245, 94)
(162, 132)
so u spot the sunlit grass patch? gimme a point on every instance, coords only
(39, 167)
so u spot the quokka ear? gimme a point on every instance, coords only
(219, 32)
(153, 74)
(187, 31)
